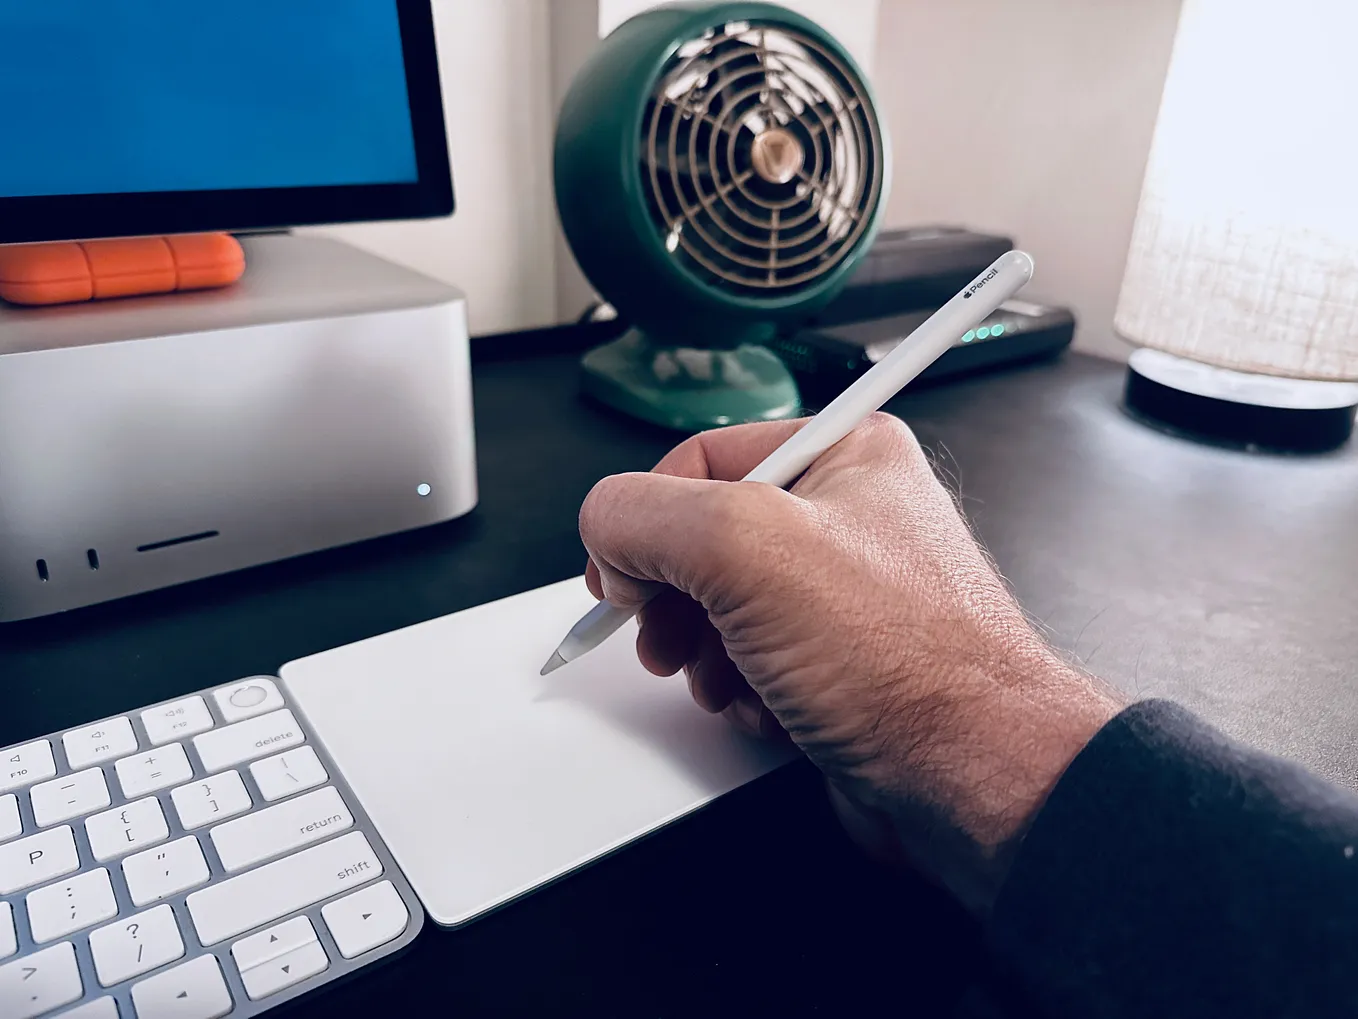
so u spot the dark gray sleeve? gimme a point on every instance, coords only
(1175, 872)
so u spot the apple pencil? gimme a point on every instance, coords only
(965, 311)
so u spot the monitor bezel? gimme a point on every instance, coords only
(245, 210)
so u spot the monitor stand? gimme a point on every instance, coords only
(144, 442)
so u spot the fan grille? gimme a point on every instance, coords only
(761, 158)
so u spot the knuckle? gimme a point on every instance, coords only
(882, 436)
(888, 429)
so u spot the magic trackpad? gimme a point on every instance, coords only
(487, 780)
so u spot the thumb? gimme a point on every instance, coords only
(644, 530)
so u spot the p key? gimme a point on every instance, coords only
(38, 858)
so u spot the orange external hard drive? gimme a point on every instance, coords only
(62, 272)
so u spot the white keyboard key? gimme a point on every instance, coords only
(249, 697)
(288, 773)
(136, 945)
(194, 990)
(125, 828)
(99, 1008)
(10, 824)
(59, 909)
(176, 720)
(40, 982)
(276, 889)
(165, 870)
(299, 822)
(21, 766)
(38, 858)
(244, 741)
(155, 769)
(370, 917)
(9, 944)
(273, 942)
(70, 796)
(103, 741)
(294, 967)
(211, 799)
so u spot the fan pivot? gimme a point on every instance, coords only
(777, 155)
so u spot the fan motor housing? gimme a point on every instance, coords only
(719, 170)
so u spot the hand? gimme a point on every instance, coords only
(855, 614)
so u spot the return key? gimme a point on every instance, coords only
(289, 825)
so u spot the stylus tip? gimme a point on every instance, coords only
(553, 663)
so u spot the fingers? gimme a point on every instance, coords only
(701, 537)
(749, 714)
(647, 529)
(671, 630)
(675, 632)
(618, 511)
(593, 581)
(718, 686)
(713, 679)
(727, 454)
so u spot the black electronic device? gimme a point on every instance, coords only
(826, 360)
(905, 276)
(911, 269)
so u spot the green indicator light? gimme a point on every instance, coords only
(969, 335)
(982, 333)
(997, 329)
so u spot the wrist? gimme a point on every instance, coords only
(1036, 730)
(997, 743)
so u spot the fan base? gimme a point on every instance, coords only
(689, 389)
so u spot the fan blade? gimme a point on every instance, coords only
(737, 67)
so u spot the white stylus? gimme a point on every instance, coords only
(965, 311)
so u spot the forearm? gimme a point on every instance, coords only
(1175, 872)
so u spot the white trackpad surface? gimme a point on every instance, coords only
(487, 780)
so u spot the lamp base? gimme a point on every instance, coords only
(1238, 409)
(689, 389)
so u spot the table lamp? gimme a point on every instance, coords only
(1241, 285)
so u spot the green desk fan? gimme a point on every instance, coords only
(719, 170)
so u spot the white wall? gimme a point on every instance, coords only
(1033, 119)
(498, 247)
(573, 35)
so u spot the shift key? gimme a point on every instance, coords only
(276, 889)
(244, 741)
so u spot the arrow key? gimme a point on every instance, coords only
(367, 918)
(273, 942)
(284, 971)
(194, 990)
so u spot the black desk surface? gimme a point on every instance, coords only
(1221, 579)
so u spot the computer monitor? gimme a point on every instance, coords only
(163, 116)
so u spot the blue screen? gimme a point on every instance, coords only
(109, 96)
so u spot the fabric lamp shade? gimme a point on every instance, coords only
(1244, 254)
